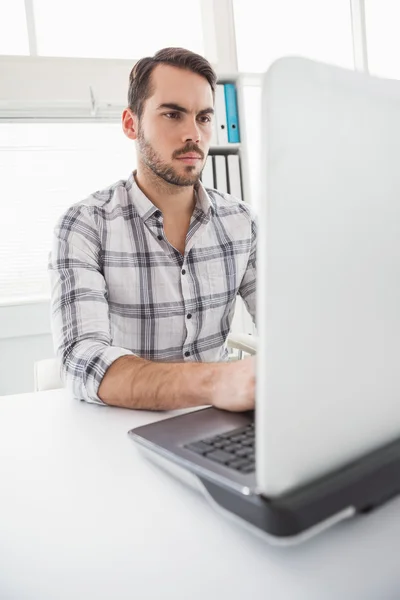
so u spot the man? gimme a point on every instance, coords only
(145, 273)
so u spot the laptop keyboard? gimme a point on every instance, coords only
(234, 449)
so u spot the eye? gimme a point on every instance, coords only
(205, 119)
(172, 115)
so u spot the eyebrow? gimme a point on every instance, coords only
(173, 106)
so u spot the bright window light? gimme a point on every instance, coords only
(316, 29)
(44, 169)
(119, 29)
(383, 42)
(13, 30)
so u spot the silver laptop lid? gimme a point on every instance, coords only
(328, 378)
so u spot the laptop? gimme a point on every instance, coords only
(323, 443)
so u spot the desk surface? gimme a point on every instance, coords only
(84, 515)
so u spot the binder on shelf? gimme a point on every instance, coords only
(220, 115)
(207, 176)
(234, 179)
(221, 183)
(214, 138)
(232, 119)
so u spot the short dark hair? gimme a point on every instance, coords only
(140, 77)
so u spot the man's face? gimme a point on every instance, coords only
(175, 128)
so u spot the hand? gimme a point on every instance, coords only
(234, 387)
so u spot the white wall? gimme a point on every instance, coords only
(25, 336)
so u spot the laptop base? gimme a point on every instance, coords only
(359, 487)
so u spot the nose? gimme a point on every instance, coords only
(191, 132)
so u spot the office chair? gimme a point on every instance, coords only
(46, 375)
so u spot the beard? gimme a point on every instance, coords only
(164, 170)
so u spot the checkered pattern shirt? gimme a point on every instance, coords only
(119, 288)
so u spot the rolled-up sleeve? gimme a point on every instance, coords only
(248, 285)
(79, 304)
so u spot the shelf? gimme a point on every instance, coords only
(226, 149)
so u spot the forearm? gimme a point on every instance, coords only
(132, 382)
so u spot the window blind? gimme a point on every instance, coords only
(44, 169)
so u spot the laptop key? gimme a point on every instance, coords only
(243, 452)
(219, 444)
(210, 440)
(238, 438)
(238, 463)
(199, 447)
(249, 468)
(232, 447)
(225, 442)
(248, 442)
(234, 433)
(219, 456)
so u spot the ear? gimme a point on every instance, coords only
(130, 124)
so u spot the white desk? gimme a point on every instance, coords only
(84, 516)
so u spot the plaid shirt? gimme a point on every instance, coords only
(119, 287)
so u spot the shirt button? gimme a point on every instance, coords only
(183, 271)
(160, 237)
(189, 316)
(157, 214)
(187, 353)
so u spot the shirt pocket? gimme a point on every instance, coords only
(225, 274)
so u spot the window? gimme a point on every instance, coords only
(44, 169)
(315, 29)
(13, 30)
(310, 28)
(118, 29)
(383, 44)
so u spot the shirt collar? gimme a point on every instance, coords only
(203, 200)
(145, 208)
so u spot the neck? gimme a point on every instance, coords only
(169, 198)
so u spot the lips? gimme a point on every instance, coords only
(190, 155)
